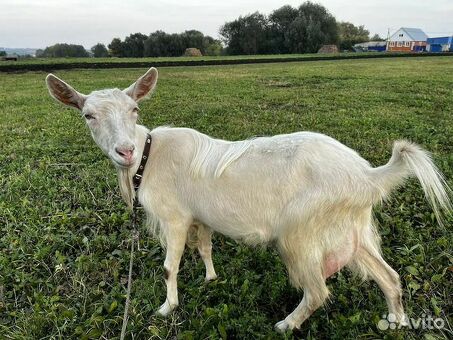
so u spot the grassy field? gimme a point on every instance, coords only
(49, 64)
(64, 229)
(175, 59)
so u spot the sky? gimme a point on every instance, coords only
(40, 23)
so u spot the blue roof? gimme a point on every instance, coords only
(440, 40)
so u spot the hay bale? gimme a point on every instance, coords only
(328, 49)
(192, 52)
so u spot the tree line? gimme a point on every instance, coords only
(161, 44)
(137, 45)
(286, 30)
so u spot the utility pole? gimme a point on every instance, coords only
(388, 38)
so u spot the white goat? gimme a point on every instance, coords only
(305, 191)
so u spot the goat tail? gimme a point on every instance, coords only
(408, 159)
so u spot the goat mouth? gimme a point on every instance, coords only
(123, 165)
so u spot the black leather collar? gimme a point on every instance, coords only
(137, 179)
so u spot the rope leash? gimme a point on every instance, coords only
(136, 180)
(134, 238)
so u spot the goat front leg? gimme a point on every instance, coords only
(176, 239)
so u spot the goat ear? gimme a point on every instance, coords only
(64, 93)
(143, 86)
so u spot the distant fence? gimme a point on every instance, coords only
(11, 67)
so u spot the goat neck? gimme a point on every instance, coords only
(125, 174)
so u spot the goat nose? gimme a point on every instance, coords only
(125, 152)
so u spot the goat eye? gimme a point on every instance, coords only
(89, 117)
(135, 110)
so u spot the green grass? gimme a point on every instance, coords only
(64, 230)
(49, 64)
(171, 59)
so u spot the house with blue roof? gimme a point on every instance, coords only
(407, 40)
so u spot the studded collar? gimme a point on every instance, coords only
(137, 179)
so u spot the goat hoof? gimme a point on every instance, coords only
(283, 326)
(166, 309)
(210, 278)
(403, 320)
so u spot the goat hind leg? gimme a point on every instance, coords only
(315, 293)
(372, 263)
(205, 250)
(312, 300)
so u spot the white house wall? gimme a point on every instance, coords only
(396, 36)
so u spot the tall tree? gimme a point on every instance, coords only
(193, 38)
(116, 48)
(313, 27)
(161, 44)
(351, 35)
(99, 51)
(246, 35)
(280, 21)
(134, 45)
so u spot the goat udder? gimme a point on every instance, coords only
(335, 261)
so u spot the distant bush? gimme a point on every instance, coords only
(63, 50)
(214, 49)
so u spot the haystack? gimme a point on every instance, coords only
(192, 52)
(328, 49)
